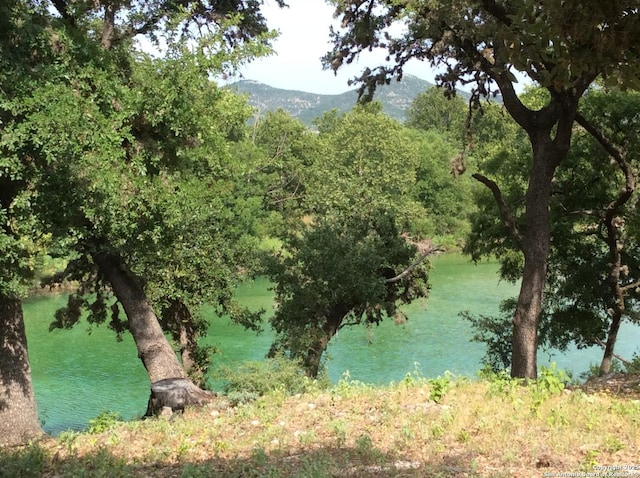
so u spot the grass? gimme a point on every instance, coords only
(443, 427)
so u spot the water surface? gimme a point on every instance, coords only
(77, 375)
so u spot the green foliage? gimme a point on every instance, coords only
(551, 380)
(279, 373)
(103, 422)
(28, 462)
(496, 334)
(432, 110)
(333, 268)
(438, 387)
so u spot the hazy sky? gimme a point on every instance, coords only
(304, 39)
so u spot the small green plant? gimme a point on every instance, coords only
(413, 378)
(68, 439)
(590, 460)
(346, 387)
(103, 422)
(340, 431)
(438, 387)
(634, 365)
(613, 444)
(259, 457)
(463, 436)
(366, 449)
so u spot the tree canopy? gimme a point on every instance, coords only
(561, 46)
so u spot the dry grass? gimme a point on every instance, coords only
(416, 428)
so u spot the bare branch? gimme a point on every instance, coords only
(416, 263)
(619, 357)
(505, 213)
(627, 287)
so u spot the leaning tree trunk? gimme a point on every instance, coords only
(313, 355)
(170, 387)
(154, 349)
(18, 413)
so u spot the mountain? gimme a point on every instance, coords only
(396, 98)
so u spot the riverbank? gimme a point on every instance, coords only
(416, 428)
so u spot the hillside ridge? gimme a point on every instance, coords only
(396, 98)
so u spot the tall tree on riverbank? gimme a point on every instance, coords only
(21, 239)
(351, 260)
(100, 148)
(593, 267)
(561, 46)
(158, 128)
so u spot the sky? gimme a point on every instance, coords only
(304, 39)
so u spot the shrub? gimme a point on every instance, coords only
(256, 378)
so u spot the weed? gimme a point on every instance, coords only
(257, 378)
(340, 431)
(501, 383)
(613, 444)
(259, 457)
(367, 450)
(438, 387)
(463, 436)
(103, 422)
(26, 463)
(551, 381)
(557, 417)
(437, 430)
(197, 471)
(347, 388)
(590, 460)
(68, 439)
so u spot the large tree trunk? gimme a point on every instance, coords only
(535, 246)
(18, 413)
(313, 356)
(154, 349)
(612, 337)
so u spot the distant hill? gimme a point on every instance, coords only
(396, 98)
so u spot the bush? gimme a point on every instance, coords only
(256, 378)
(103, 422)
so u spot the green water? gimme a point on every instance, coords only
(76, 375)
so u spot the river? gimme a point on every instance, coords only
(77, 375)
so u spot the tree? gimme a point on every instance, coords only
(596, 215)
(592, 280)
(22, 241)
(563, 47)
(100, 146)
(351, 261)
(432, 110)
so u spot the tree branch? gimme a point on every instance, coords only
(416, 263)
(619, 357)
(62, 7)
(505, 213)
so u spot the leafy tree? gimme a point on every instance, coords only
(445, 195)
(432, 110)
(105, 149)
(283, 148)
(22, 240)
(593, 265)
(561, 46)
(350, 262)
